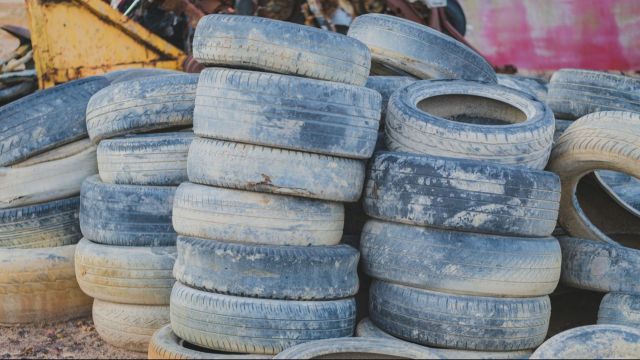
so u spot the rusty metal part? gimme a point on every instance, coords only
(405, 10)
(192, 66)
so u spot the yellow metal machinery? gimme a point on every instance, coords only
(78, 38)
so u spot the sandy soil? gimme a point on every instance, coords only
(12, 12)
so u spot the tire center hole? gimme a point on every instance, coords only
(472, 109)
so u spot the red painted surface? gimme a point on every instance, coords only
(552, 34)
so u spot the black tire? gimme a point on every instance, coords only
(119, 76)
(592, 342)
(50, 224)
(278, 171)
(258, 43)
(272, 272)
(455, 15)
(287, 112)
(126, 215)
(151, 159)
(46, 119)
(574, 93)
(386, 86)
(419, 50)
(462, 195)
(468, 120)
(620, 309)
(257, 326)
(357, 348)
(143, 105)
(457, 321)
(533, 86)
(460, 262)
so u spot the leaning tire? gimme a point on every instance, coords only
(259, 326)
(463, 119)
(592, 342)
(462, 195)
(258, 43)
(531, 85)
(620, 309)
(418, 49)
(367, 348)
(119, 76)
(386, 86)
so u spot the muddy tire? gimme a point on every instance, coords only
(119, 76)
(620, 309)
(39, 285)
(468, 120)
(592, 342)
(278, 171)
(46, 119)
(257, 326)
(532, 86)
(126, 215)
(125, 274)
(273, 272)
(460, 262)
(249, 217)
(457, 321)
(386, 86)
(153, 159)
(287, 112)
(258, 43)
(50, 224)
(462, 195)
(357, 348)
(142, 105)
(574, 93)
(128, 326)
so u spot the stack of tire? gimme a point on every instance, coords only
(460, 246)
(126, 258)
(44, 157)
(260, 266)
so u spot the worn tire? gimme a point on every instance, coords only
(460, 262)
(249, 217)
(258, 43)
(125, 274)
(357, 348)
(462, 195)
(119, 76)
(50, 224)
(272, 272)
(152, 159)
(287, 112)
(574, 93)
(592, 342)
(126, 215)
(624, 189)
(258, 326)
(531, 85)
(561, 127)
(469, 120)
(128, 326)
(277, 171)
(142, 105)
(39, 285)
(620, 309)
(419, 50)
(386, 86)
(45, 119)
(458, 321)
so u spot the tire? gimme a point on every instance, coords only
(277, 171)
(45, 119)
(561, 127)
(458, 321)
(418, 49)
(118, 76)
(354, 219)
(39, 285)
(463, 195)
(530, 85)
(599, 141)
(592, 342)
(620, 309)
(386, 86)
(125, 274)
(599, 266)
(287, 112)
(623, 189)
(272, 272)
(357, 348)
(468, 120)
(50, 224)
(249, 217)
(56, 174)
(258, 43)
(460, 262)
(143, 105)
(128, 326)
(575, 93)
(126, 215)
(257, 326)
(152, 159)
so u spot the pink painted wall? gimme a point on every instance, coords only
(552, 34)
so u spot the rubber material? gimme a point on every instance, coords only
(357, 348)
(119, 76)
(258, 43)
(592, 342)
(277, 171)
(561, 127)
(257, 326)
(249, 217)
(620, 309)
(624, 189)
(462, 195)
(287, 112)
(531, 85)
(386, 86)
(125, 274)
(126, 215)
